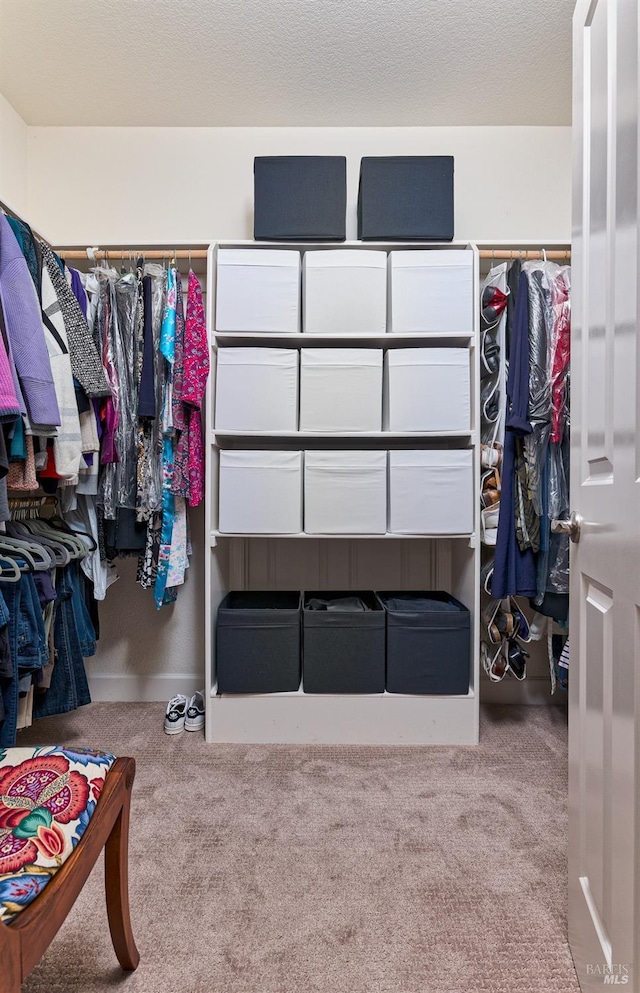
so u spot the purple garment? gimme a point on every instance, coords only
(44, 585)
(78, 291)
(10, 405)
(25, 333)
(109, 452)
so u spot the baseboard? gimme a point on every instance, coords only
(534, 692)
(132, 688)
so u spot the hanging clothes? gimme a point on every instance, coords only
(514, 569)
(85, 361)
(27, 347)
(167, 349)
(190, 447)
(102, 376)
(529, 559)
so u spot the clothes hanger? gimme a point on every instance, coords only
(39, 556)
(78, 542)
(12, 553)
(60, 525)
(61, 554)
(74, 545)
(15, 572)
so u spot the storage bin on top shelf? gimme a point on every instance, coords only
(406, 197)
(300, 197)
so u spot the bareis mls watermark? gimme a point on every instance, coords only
(611, 975)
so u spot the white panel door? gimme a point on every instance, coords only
(604, 866)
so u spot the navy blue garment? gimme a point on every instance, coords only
(69, 687)
(27, 645)
(84, 624)
(32, 648)
(514, 571)
(147, 397)
(6, 663)
(11, 598)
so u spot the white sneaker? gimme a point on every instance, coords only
(194, 721)
(175, 716)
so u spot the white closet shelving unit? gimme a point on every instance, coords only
(387, 561)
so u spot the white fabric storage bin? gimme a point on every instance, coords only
(257, 389)
(431, 291)
(344, 292)
(427, 389)
(258, 290)
(260, 492)
(431, 492)
(340, 389)
(345, 492)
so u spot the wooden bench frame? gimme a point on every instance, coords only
(24, 941)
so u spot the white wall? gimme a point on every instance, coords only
(133, 186)
(120, 185)
(13, 158)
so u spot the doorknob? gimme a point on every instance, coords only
(572, 527)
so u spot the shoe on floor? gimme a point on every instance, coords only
(194, 721)
(174, 720)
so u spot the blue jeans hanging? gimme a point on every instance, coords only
(72, 632)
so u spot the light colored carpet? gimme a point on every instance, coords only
(339, 870)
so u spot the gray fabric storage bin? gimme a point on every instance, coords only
(406, 198)
(343, 651)
(428, 643)
(300, 197)
(258, 642)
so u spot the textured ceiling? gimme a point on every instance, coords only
(287, 62)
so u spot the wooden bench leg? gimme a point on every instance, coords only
(11, 970)
(116, 864)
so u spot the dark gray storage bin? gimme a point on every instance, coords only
(428, 643)
(343, 651)
(258, 642)
(406, 198)
(300, 197)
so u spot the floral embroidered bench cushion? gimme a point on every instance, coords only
(47, 797)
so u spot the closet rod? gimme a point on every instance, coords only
(201, 253)
(116, 253)
(554, 255)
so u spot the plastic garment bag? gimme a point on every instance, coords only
(546, 450)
